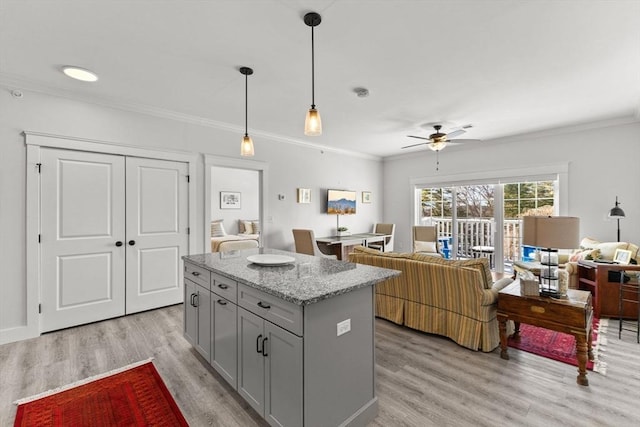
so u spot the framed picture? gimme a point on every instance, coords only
(366, 197)
(304, 195)
(622, 256)
(230, 200)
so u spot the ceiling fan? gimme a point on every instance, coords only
(438, 140)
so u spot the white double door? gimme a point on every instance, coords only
(113, 231)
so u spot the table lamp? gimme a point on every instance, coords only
(550, 233)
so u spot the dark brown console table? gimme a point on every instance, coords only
(571, 315)
(594, 276)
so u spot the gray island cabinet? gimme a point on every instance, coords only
(296, 341)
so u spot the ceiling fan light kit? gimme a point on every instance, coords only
(313, 122)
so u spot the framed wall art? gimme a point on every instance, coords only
(366, 197)
(304, 195)
(230, 200)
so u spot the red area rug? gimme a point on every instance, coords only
(131, 396)
(559, 346)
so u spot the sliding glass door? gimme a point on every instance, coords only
(484, 220)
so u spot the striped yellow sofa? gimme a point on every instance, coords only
(456, 299)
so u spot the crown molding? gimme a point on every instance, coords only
(14, 82)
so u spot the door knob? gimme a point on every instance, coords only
(118, 243)
(132, 242)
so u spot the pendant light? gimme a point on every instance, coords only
(246, 148)
(312, 123)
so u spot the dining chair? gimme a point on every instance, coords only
(388, 229)
(305, 241)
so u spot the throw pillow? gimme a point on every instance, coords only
(217, 229)
(256, 227)
(608, 249)
(586, 254)
(419, 246)
(248, 227)
(588, 243)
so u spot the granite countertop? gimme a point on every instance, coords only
(306, 281)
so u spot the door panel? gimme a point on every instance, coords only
(224, 351)
(76, 271)
(283, 377)
(250, 361)
(82, 199)
(156, 232)
(157, 268)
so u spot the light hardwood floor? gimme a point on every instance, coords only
(422, 380)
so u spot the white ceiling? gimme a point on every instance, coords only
(506, 67)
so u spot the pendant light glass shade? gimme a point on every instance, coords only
(313, 123)
(246, 148)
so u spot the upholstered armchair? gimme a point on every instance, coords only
(425, 240)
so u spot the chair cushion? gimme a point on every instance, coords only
(419, 246)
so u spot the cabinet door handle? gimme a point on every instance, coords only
(258, 349)
(132, 242)
(263, 305)
(118, 243)
(223, 286)
(264, 350)
(196, 300)
(222, 302)
(195, 273)
(193, 304)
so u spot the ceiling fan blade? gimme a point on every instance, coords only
(415, 145)
(455, 133)
(419, 137)
(464, 141)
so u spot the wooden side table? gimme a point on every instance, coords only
(573, 315)
(594, 277)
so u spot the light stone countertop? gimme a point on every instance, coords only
(306, 281)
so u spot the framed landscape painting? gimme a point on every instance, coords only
(230, 200)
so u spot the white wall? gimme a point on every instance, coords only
(245, 182)
(603, 162)
(290, 166)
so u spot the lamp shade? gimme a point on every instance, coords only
(313, 123)
(558, 232)
(616, 212)
(246, 147)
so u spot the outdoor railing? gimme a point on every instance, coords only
(479, 232)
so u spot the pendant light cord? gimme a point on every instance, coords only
(313, 77)
(246, 104)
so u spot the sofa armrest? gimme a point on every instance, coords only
(490, 296)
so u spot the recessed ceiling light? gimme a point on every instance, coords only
(80, 73)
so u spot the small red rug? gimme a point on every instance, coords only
(134, 396)
(556, 345)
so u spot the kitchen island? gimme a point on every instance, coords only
(296, 341)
